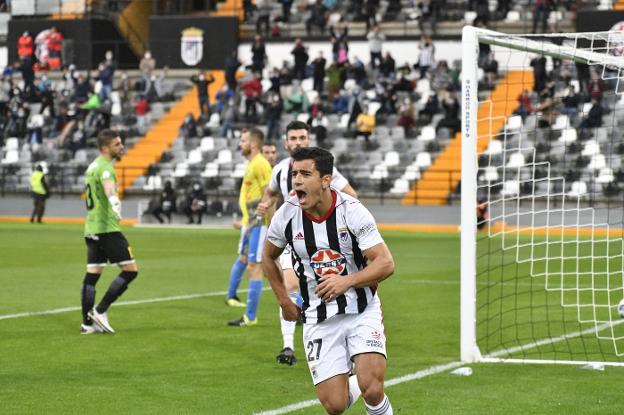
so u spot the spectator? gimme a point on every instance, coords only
(28, 75)
(252, 89)
(231, 66)
(375, 45)
(297, 101)
(195, 203)
(319, 72)
(406, 115)
(275, 79)
(358, 71)
(335, 75)
(370, 13)
(125, 90)
(319, 125)
(141, 110)
(40, 193)
(317, 17)
(264, 16)
(426, 58)
(222, 98)
(83, 88)
(594, 116)
(202, 83)
(227, 118)
(356, 105)
(47, 97)
(524, 108)
(6, 89)
(274, 114)
(165, 204)
(387, 66)
(105, 76)
(451, 115)
(490, 69)
(286, 6)
(441, 80)
(147, 65)
(55, 48)
(541, 11)
(258, 54)
(25, 45)
(570, 103)
(483, 13)
(301, 56)
(188, 129)
(365, 123)
(596, 86)
(77, 138)
(35, 130)
(428, 15)
(154, 88)
(539, 73)
(430, 109)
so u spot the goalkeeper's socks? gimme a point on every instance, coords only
(383, 408)
(354, 390)
(87, 296)
(288, 327)
(236, 274)
(253, 298)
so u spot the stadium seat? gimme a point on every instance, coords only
(211, 170)
(578, 189)
(561, 122)
(591, 148)
(510, 188)
(397, 133)
(494, 148)
(514, 123)
(568, 135)
(513, 16)
(597, 162)
(423, 160)
(469, 16)
(490, 174)
(194, 156)
(379, 172)
(153, 183)
(207, 144)
(516, 160)
(605, 176)
(11, 157)
(373, 107)
(214, 121)
(181, 170)
(12, 144)
(344, 121)
(392, 159)
(224, 156)
(428, 133)
(400, 186)
(239, 171)
(412, 172)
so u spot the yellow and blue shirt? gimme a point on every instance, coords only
(257, 176)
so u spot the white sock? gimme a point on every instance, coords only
(384, 408)
(288, 327)
(354, 390)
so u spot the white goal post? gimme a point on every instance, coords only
(542, 149)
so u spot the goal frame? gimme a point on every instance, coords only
(471, 36)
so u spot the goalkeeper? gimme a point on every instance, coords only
(105, 242)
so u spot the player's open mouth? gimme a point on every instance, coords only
(301, 195)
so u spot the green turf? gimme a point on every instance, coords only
(178, 357)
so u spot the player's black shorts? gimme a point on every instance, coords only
(110, 247)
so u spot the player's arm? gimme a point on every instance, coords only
(349, 190)
(111, 194)
(380, 266)
(273, 272)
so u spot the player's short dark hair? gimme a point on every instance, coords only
(256, 134)
(105, 137)
(269, 144)
(297, 125)
(323, 159)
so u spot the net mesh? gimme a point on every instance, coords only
(550, 130)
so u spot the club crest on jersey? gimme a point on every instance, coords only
(328, 262)
(343, 233)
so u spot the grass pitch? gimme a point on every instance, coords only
(177, 356)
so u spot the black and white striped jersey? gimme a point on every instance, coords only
(332, 244)
(281, 179)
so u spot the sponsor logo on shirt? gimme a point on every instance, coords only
(328, 262)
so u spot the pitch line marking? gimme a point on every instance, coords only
(121, 303)
(401, 379)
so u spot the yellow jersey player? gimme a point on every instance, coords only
(253, 231)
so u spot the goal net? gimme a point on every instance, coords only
(542, 201)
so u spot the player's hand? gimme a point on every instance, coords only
(262, 208)
(331, 286)
(290, 311)
(116, 206)
(237, 225)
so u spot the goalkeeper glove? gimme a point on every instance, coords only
(115, 205)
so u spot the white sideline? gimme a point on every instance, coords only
(417, 375)
(122, 303)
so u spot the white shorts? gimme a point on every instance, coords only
(331, 345)
(286, 258)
